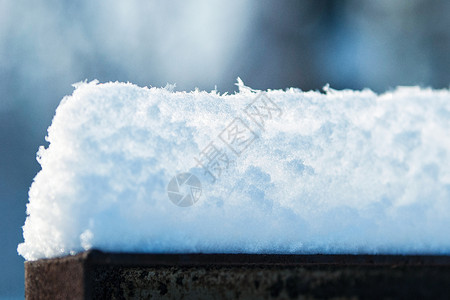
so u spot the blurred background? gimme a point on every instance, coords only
(45, 46)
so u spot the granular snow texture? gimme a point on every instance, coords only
(280, 171)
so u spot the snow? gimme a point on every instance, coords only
(333, 172)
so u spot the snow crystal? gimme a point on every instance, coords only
(278, 172)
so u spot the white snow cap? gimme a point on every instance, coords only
(280, 172)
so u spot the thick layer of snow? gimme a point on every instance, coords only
(334, 172)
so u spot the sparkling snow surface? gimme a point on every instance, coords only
(334, 172)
